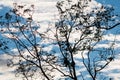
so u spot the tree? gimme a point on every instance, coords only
(77, 33)
(22, 30)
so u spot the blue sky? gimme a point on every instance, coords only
(114, 3)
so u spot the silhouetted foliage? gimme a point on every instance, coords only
(77, 33)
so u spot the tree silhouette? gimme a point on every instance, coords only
(77, 33)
